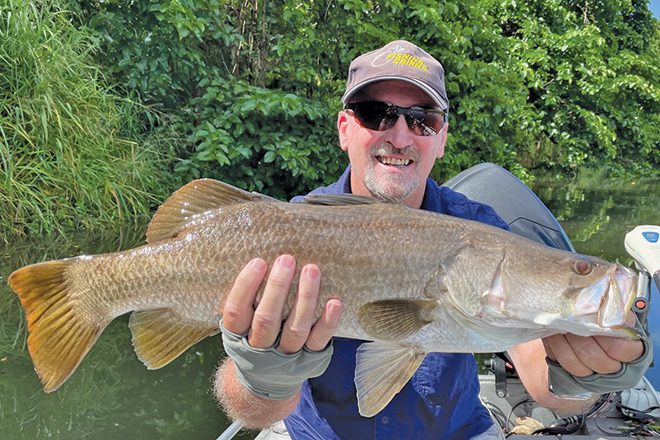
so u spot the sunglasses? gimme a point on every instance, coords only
(381, 116)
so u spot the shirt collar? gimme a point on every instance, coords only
(344, 182)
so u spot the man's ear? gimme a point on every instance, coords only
(342, 129)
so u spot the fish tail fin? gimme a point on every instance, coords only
(58, 338)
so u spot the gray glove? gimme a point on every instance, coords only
(269, 373)
(564, 384)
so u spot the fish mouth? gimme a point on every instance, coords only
(610, 298)
(619, 299)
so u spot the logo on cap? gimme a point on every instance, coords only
(397, 55)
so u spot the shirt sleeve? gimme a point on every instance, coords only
(458, 205)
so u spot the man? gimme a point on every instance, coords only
(393, 127)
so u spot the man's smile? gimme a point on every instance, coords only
(393, 161)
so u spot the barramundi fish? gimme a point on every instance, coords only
(411, 282)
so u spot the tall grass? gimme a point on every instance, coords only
(72, 153)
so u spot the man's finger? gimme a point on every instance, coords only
(621, 349)
(237, 311)
(300, 320)
(326, 326)
(592, 355)
(566, 357)
(267, 320)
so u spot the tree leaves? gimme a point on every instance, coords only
(254, 86)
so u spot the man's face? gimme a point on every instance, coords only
(392, 163)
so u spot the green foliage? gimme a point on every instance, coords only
(252, 89)
(68, 158)
(254, 85)
(248, 117)
(260, 139)
(153, 48)
(592, 76)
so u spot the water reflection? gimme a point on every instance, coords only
(597, 215)
(113, 396)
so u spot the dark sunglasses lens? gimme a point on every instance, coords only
(376, 115)
(371, 114)
(424, 123)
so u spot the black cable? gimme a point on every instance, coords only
(603, 404)
(638, 414)
(508, 417)
(575, 423)
(498, 414)
(572, 424)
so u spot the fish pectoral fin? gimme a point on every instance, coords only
(160, 336)
(392, 319)
(193, 199)
(382, 370)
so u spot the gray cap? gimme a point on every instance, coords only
(400, 60)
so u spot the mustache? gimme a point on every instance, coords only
(386, 149)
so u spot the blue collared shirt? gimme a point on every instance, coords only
(441, 400)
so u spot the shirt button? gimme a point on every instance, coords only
(384, 420)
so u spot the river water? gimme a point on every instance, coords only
(113, 396)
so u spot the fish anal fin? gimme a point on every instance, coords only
(382, 370)
(393, 319)
(191, 201)
(160, 336)
(58, 338)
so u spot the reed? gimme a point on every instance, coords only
(73, 153)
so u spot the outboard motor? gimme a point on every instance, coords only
(523, 211)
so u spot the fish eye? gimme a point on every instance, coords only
(582, 267)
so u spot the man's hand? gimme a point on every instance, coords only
(252, 384)
(264, 322)
(594, 365)
(578, 367)
(273, 360)
(583, 356)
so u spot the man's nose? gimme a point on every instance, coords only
(400, 135)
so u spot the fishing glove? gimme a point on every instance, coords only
(562, 383)
(270, 373)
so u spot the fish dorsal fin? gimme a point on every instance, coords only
(191, 201)
(344, 199)
(392, 319)
(381, 370)
(160, 336)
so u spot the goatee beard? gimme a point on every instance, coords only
(392, 186)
